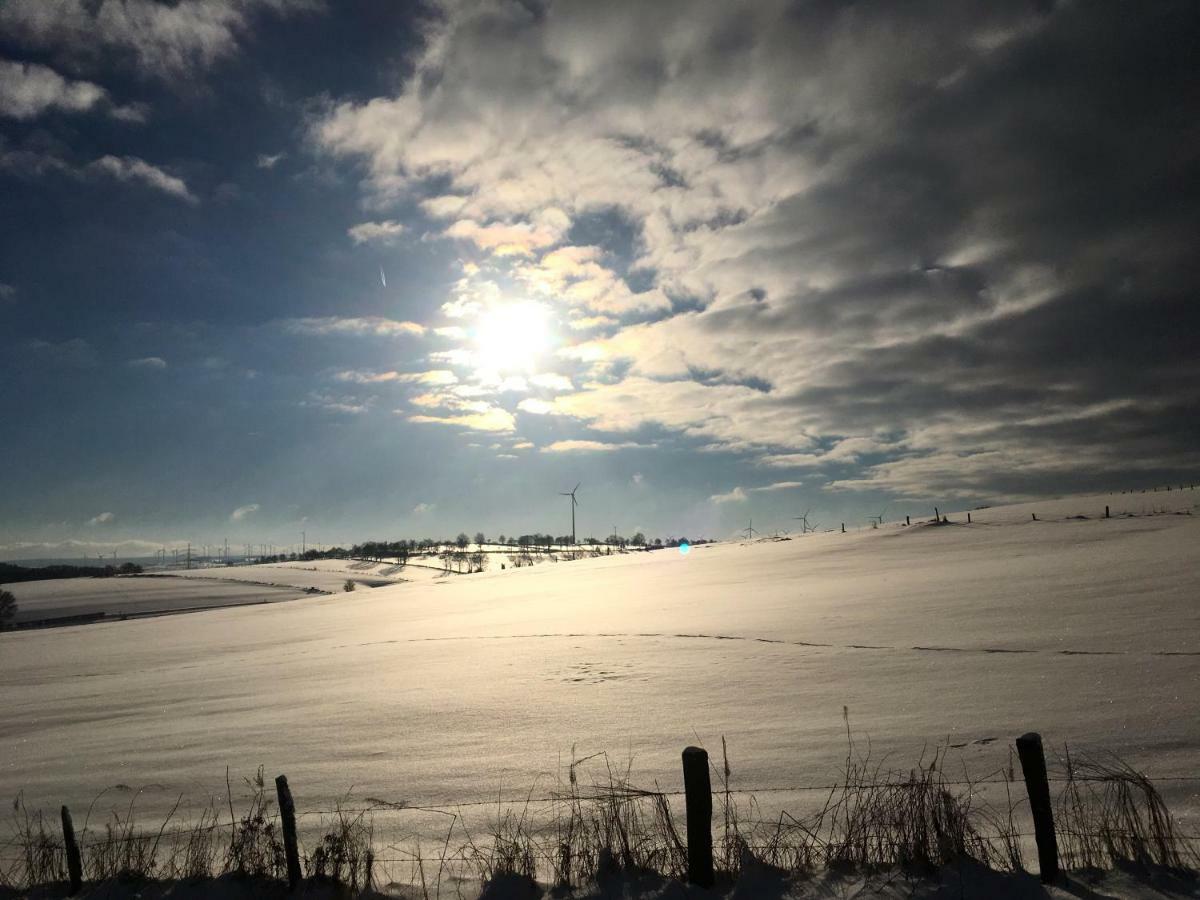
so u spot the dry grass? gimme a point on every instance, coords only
(1111, 814)
(597, 824)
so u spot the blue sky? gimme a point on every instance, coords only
(370, 269)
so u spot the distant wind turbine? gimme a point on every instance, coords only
(574, 503)
(805, 528)
(749, 529)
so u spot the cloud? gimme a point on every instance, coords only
(421, 508)
(102, 519)
(269, 160)
(778, 486)
(331, 403)
(375, 326)
(377, 232)
(814, 250)
(7, 292)
(535, 406)
(27, 90)
(133, 169)
(585, 446)
(485, 418)
(356, 377)
(163, 40)
(737, 495)
(148, 362)
(552, 381)
(242, 512)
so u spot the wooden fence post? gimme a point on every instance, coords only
(1106, 512)
(907, 521)
(843, 528)
(698, 797)
(1034, 516)
(937, 516)
(74, 862)
(1033, 767)
(968, 518)
(287, 812)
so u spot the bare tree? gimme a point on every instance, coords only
(8, 609)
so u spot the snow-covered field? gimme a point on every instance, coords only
(455, 689)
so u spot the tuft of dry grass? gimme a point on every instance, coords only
(344, 854)
(255, 841)
(1111, 814)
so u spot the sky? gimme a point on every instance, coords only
(367, 269)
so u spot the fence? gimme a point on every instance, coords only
(693, 854)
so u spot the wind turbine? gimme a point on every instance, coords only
(749, 529)
(805, 528)
(876, 521)
(574, 503)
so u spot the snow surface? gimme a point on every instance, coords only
(460, 688)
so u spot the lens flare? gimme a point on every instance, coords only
(685, 548)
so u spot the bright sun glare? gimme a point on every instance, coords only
(510, 337)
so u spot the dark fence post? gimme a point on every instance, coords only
(1033, 767)
(968, 518)
(698, 794)
(1034, 516)
(843, 528)
(74, 863)
(1106, 512)
(906, 521)
(287, 812)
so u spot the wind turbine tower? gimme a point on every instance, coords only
(574, 503)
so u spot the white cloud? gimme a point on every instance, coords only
(148, 362)
(778, 486)
(737, 495)
(7, 292)
(357, 377)
(535, 406)
(378, 232)
(166, 40)
(28, 90)
(585, 446)
(131, 168)
(242, 512)
(421, 508)
(359, 326)
(102, 519)
(552, 382)
(269, 160)
(486, 418)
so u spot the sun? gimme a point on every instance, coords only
(511, 336)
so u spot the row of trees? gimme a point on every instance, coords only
(403, 549)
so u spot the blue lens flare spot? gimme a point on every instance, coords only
(685, 548)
